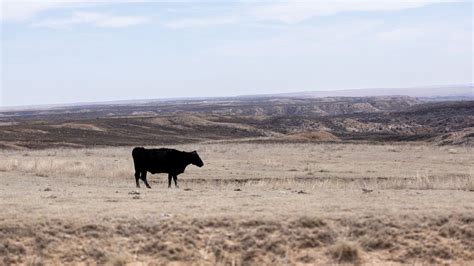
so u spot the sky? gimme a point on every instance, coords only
(86, 51)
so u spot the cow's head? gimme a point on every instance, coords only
(195, 159)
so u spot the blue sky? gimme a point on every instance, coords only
(75, 51)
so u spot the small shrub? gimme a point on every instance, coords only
(469, 186)
(115, 260)
(307, 222)
(393, 149)
(345, 252)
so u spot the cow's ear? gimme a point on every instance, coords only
(195, 152)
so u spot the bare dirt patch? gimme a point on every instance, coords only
(79, 126)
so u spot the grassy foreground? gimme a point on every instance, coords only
(249, 204)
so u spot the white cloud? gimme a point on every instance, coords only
(295, 11)
(92, 18)
(443, 37)
(19, 10)
(200, 22)
(403, 34)
(291, 11)
(299, 41)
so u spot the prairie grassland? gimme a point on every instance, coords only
(328, 165)
(249, 204)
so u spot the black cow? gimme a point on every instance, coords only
(170, 161)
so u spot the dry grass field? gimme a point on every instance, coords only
(250, 204)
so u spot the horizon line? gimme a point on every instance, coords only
(4, 108)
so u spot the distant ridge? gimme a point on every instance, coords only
(448, 91)
(429, 93)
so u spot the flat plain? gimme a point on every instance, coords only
(251, 203)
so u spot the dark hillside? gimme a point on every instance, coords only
(277, 119)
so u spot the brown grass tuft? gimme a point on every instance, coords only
(116, 260)
(307, 222)
(344, 251)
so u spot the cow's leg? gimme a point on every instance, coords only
(137, 178)
(144, 179)
(169, 180)
(175, 178)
